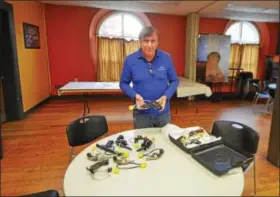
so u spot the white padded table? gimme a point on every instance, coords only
(174, 174)
(89, 87)
(188, 87)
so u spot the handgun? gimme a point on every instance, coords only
(156, 105)
(121, 142)
(105, 148)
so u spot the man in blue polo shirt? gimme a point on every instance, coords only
(154, 78)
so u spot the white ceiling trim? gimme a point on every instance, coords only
(259, 11)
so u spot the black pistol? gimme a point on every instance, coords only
(108, 147)
(156, 105)
(121, 142)
(145, 145)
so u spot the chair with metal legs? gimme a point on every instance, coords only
(259, 94)
(270, 102)
(84, 130)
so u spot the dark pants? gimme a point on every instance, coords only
(148, 121)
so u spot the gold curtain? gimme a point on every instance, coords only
(235, 56)
(110, 59)
(244, 56)
(111, 55)
(130, 47)
(250, 58)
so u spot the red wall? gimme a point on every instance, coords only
(273, 31)
(68, 41)
(172, 37)
(212, 26)
(269, 35)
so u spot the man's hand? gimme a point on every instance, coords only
(162, 101)
(139, 101)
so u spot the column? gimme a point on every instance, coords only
(192, 28)
(273, 154)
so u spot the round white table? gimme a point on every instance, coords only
(175, 174)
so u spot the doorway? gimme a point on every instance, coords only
(11, 107)
(2, 103)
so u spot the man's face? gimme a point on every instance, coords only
(149, 45)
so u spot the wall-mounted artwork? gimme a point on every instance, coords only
(31, 36)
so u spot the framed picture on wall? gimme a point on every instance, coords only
(31, 36)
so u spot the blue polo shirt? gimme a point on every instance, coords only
(151, 80)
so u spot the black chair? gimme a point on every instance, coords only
(48, 193)
(84, 130)
(240, 138)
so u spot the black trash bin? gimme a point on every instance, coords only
(243, 83)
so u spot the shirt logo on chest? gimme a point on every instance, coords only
(161, 68)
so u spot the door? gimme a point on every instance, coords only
(2, 103)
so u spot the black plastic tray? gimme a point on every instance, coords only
(178, 143)
(219, 159)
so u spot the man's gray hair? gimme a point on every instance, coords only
(147, 31)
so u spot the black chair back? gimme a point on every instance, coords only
(48, 193)
(86, 129)
(237, 136)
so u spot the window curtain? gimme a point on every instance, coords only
(250, 58)
(244, 56)
(130, 47)
(111, 55)
(235, 57)
(110, 59)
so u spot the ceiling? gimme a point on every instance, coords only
(259, 11)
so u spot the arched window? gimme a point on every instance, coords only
(121, 25)
(243, 33)
(245, 40)
(117, 37)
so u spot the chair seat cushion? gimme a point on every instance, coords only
(263, 95)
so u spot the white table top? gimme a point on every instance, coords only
(186, 87)
(175, 174)
(76, 85)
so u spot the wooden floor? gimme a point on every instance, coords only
(36, 149)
